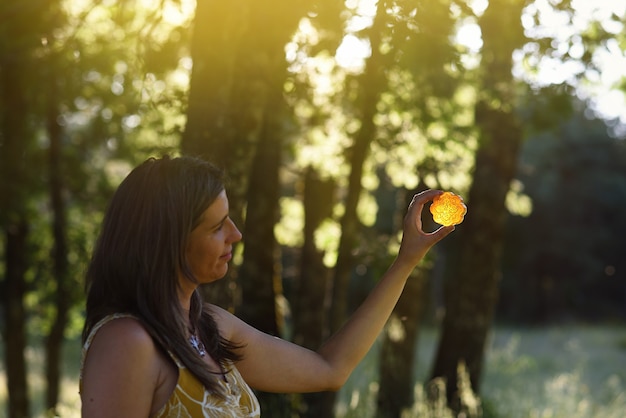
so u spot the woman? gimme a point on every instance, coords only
(152, 348)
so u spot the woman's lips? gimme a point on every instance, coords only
(227, 257)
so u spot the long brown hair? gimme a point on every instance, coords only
(141, 252)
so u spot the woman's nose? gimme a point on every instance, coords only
(235, 235)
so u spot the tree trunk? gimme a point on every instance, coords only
(398, 351)
(473, 287)
(15, 319)
(372, 83)
(260, 275)
(14, 140)
(308, 319)
(260, 105)
(209, 132)
(231, 46)
(218, 28)
(62, 297)
(399, 345)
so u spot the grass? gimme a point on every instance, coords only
(557, 372)
(69, 405)
(553, 372)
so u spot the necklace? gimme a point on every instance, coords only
(197, 344)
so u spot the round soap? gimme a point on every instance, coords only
(448, 209)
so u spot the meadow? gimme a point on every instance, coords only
(573, 371)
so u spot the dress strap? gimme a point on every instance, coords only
(94, 331)
(99, 325)
(92, 335)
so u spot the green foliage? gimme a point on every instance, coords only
(79, 67)
(546, 107)
(129, 94)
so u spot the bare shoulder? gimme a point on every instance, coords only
(126, 334)
(217, 312)
(227, 323)
(236, 330)
(122, 345)
(122, 355)
(221, 316)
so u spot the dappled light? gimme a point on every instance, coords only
(565, 63)
(328, 117)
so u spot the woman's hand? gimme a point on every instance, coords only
(415, 242)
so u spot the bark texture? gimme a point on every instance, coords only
(472, 291)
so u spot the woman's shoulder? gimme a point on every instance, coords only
(123, 337)
(124, 329)
(215, 310)
(230, 326)
(224, 319)
(121, 354)
(123, 347)
(126, 325)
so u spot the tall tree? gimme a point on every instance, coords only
(61, 80)
(423, 49)
(237, 118)
(259, 102)
(217, 32)
(399, 341)
(309, 321)
(371, 84)
(57, 195)
(260, 274)
(63, 298)
(309, 326)
(20, 23)
(472, 290)
(16, 137)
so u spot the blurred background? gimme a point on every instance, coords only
(328, 116)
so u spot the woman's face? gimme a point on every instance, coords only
(210, 244)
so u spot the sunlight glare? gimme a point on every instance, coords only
(174, 12)
(479, 6)
(470, 36)
(177, 13)
(362, 7)
(352, 53)
(564, 67)
(599, 9)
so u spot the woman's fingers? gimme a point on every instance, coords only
(417, 204)
(424, 197)
(441, 232)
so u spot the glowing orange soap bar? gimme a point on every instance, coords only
(448, 209)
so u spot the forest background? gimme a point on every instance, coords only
(328, 116)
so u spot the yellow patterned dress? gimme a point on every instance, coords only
(190, 399)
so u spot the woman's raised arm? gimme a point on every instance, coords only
(274, 365)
